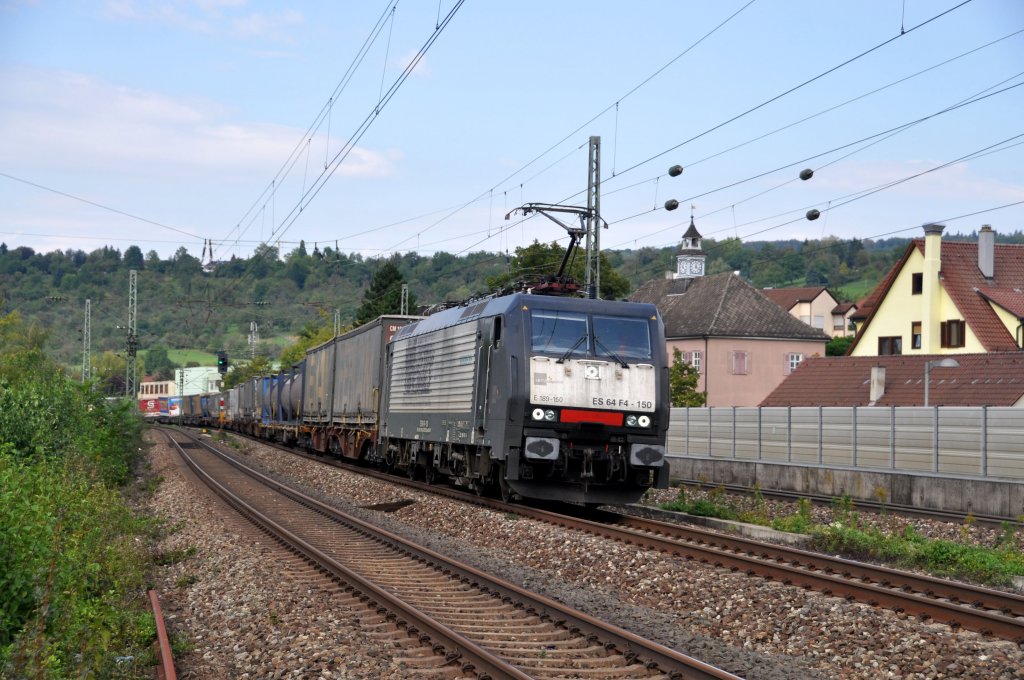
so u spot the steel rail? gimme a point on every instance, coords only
(456, 646)
(983, 610)
(162, 644)
(633, 647)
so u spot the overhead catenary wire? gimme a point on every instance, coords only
(764, 103)
(279, 229)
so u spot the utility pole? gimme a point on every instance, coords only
(129, 382)
(404, 306)
(254, 338)
(337, 321)
(593, 280)
(87, 342)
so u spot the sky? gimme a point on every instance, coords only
(393, 126)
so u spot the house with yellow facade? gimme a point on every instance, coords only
(946, 297)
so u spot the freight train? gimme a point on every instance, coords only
(527, 396)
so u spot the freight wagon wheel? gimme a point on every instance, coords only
(430, 474)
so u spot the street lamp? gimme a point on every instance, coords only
(937, 363)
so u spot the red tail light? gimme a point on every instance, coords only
(604, 417)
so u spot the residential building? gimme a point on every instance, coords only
(986, 379)
(946, 297)
(149, 388)
(815, 306)
(198, 379)
(742, 344)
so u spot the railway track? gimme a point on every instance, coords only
(478, 624)
(987, 611)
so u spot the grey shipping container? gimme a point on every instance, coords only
(343, 376)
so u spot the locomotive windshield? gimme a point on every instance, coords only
(562, 333)
(559, 332)
(615, 336)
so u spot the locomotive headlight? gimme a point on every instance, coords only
(538, 414)
(630, 421)
(549, 415)
(643, 421)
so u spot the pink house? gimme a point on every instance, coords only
(742, 344)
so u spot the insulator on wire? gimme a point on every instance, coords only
(806, 174)
(671, 204)
(675, 171)
(813, 214)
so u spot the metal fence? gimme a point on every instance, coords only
(986, 442)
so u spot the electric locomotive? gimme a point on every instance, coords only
(556, 398)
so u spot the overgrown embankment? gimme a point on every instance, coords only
(73, 557)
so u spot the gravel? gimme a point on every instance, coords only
(752, 627)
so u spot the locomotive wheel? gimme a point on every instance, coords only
(507, 495)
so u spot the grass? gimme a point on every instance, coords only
(848, 535)
(183, 356)
(857, 290)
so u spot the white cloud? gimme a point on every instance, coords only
(421, 69)
(223, 17)
(63, 121)
(966, 180)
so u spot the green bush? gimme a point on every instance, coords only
(72, 555)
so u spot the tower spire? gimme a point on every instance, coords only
(690, 258)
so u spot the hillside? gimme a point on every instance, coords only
(183, 304)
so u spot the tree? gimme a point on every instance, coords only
(837, 347)
(253, 368)
(384, 296)
(538, 260)
(158, 361)
(133, 258)
(682, 383)
(311, 335)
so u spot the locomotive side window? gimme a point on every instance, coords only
(621, 336)
(559, 332)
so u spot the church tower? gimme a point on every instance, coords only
(690, 258)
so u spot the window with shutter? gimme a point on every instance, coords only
(740, 363)
(953, 333)
(890, 345)
(695, 360)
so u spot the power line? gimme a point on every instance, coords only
(97, 205)
(796, 87)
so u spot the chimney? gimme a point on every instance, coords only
(877, 384)
(930, 289)
(987, 251)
